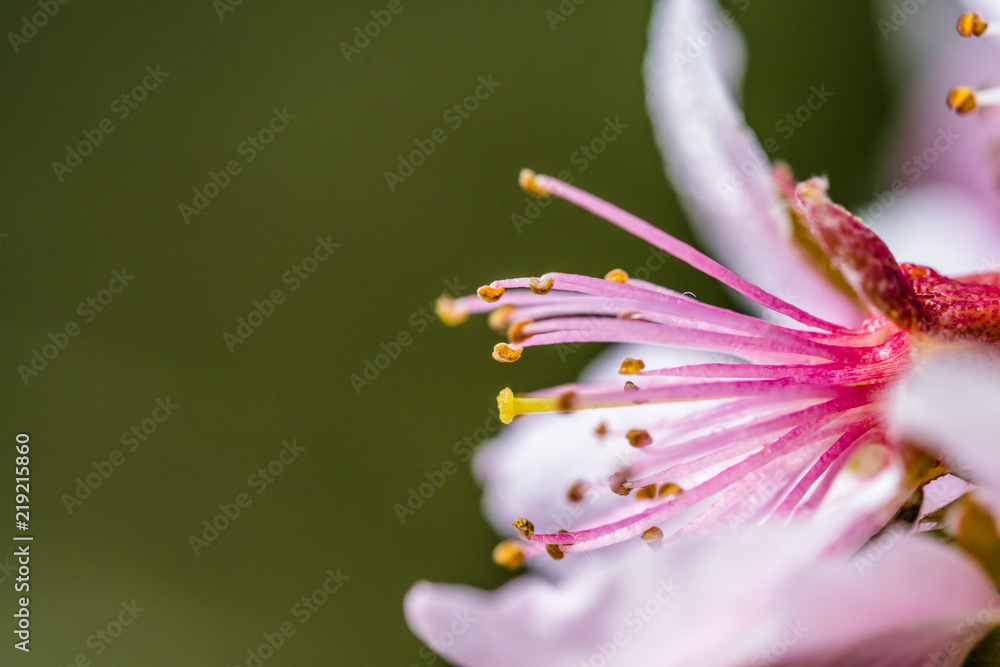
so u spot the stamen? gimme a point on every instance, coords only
(668, 489)
(577, 492)
(528, 181)
(638, 437)
(498, 319)
(654, 534)
(617, 275)
(505, 353)
(541, 285)
(631, 366)
(647, 492)
(971, 25)
(617, 483)
(508, 555)
(490, 294)
(448, 312)
(525, 527)
(515, 332)
(963, 100)
(601, 430)
(554, 550)
(632, 387)
(564, 401)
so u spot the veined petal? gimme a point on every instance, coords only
(720, 171)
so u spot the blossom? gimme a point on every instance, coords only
(797, 414)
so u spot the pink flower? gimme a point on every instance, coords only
(820, 409)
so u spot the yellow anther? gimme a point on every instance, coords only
(499, 319)
(446, 311)
(525, 527)
(529, 183)
(631, 366)
(638, 437)
(617, 483)
(541, 285)
(971, 25)
(564, 401)
(668, 489)
(508, 555)
(654, 534)
(617, 275)
(515, 333)
(555, 550)
(632, 387)
(962, 100)
(505, 353)
(490, 294)
(511, 406)
(577, 492)
(646, 493)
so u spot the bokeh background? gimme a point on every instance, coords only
(448, 226)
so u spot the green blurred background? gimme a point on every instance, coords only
(448, 226)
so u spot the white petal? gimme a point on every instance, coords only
(940, 226)
(720, 171)
(949, 402)
(673, 607)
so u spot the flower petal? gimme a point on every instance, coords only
(769, 593)
(716, 164)
(949, 403)
(940, 226)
